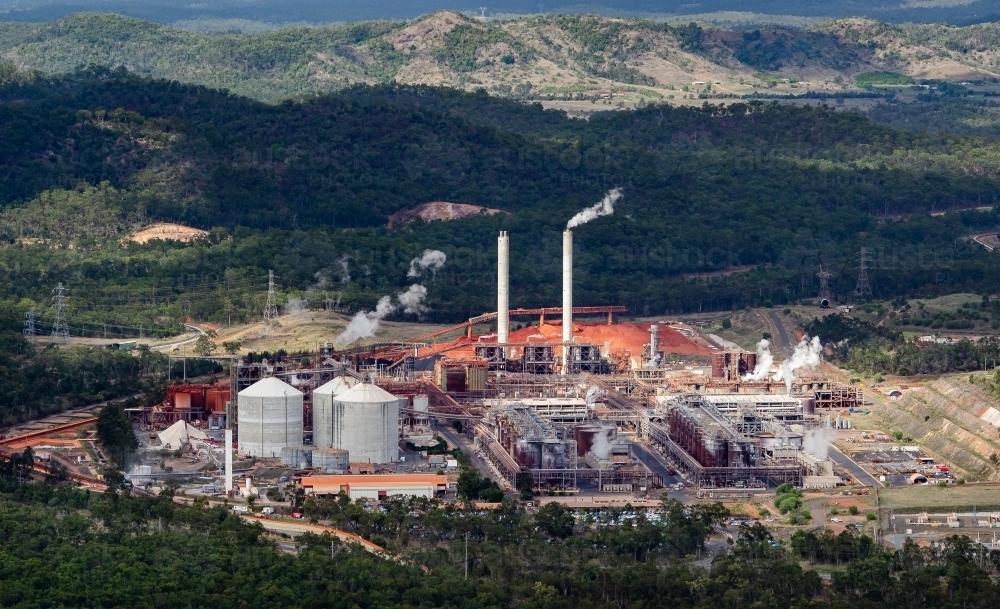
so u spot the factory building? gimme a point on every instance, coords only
(270, 418)
(365, 422)
(376, 487)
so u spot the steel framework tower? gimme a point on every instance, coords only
(270, 309)
(60, 331)
(29, 325)
(824, 283)
(863, 288)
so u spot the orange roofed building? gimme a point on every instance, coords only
(376, 486)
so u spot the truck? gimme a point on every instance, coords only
(241, 509)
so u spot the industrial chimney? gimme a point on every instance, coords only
(654, 341)
(503, 304)
(567, 305)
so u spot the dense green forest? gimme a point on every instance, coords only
(61, 546)
(305, 188)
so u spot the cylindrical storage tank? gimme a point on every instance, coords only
(297, 456)
(269, 414)
(322, 409)
(331, 460)
(366, 423)
(421, 403)
(808, 406)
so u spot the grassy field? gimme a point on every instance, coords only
(952, 498)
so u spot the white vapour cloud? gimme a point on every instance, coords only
(345, 269)
(806, 355)
(412, 300)
(365, 323)
(430, 260)
(817, 441)
(605, 208)
(764, 361)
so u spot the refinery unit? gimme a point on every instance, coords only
(559, 399)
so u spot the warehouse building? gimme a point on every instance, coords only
(376, 486)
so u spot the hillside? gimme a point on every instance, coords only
(543, 57)
(306, 189)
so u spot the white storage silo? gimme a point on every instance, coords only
(366, 424)
(322, 407)
(269, 414)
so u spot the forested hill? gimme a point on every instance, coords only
(306, 188)
(542, 57)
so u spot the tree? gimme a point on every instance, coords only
(204, 345)
(114, 431)
(232, 347)
(555, 520)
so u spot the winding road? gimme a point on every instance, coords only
(782, 334)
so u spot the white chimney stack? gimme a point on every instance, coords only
(503, 298)
(229, 461)
(567, 306)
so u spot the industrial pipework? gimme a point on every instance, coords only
(567, 306)
(503, 305)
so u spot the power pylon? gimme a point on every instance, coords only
(824, 283)
(29, 325)
(60, 331)
(863, 288)
(271, 308)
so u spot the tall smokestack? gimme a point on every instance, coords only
(503, 303)
(229, 459)
(654, 340)
(567, 312)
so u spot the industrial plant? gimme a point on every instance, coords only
(570, 399)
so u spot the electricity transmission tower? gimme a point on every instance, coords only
(271, 308)
(60, 331)
(824, 283)
(29, 325)
(863, 288)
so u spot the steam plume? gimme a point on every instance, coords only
(806, 355)
(431, 260)
(365, 323)
(412, 300)
(605, 208)
(764, 361)
(817, 442)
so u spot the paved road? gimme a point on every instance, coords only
(454, 439)
(856, 470)
(170, 347)
(782, 334)
(654, 462)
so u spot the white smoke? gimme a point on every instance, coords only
(817, 442)
(764, 361)
(593, 394)
(295, 305)
(602, 443)
(365, 323)
(345, 269)
(605, 208)
(806, 355)
(430, 260)
(412, 300)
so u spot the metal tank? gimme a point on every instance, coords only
(366, 423)
(330, 460)
(322, 409)
(269, 414)
(297, 456)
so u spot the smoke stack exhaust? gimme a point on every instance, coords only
(654, 340)
(503, 304)
(567, 305)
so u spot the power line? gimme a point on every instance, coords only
(29, 325)
(863, 288)
(60, 332)
(271, 308)
(824, 283)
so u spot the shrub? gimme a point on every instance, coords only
(853, 510)
(871, 517)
